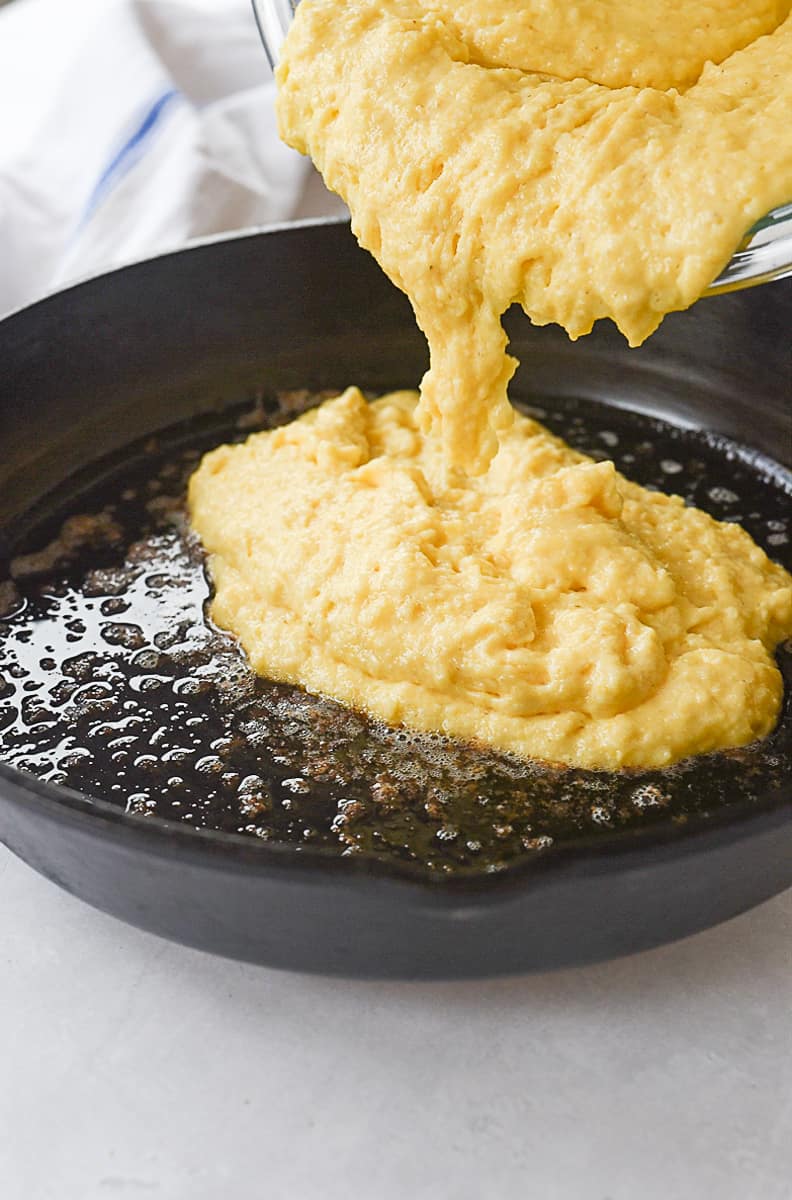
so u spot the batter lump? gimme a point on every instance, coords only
(584, 160)
(439, 560)
(548, 607)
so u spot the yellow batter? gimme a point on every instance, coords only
(548, 607)
(446, 564)
(594, 189)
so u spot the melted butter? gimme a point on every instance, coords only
(548, 607)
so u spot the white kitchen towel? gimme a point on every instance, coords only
(129, 127)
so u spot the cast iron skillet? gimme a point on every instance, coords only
(113, 359)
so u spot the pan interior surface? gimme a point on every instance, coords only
(114, 684)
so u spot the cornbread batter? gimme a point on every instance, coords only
(584, 160)
(548, 607)
(445, 563)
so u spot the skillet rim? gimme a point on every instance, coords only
(196, 243)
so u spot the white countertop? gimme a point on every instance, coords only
(131, 1067)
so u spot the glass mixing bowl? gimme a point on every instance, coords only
(764, 254)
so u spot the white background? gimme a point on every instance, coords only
(133, 1068)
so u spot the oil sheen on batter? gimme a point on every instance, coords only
(548, 607)
(592, 159)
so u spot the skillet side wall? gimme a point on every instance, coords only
(106, 362)
(327, 918)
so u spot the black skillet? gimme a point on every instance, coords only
(92, 369)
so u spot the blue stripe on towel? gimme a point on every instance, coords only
(128, 155)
